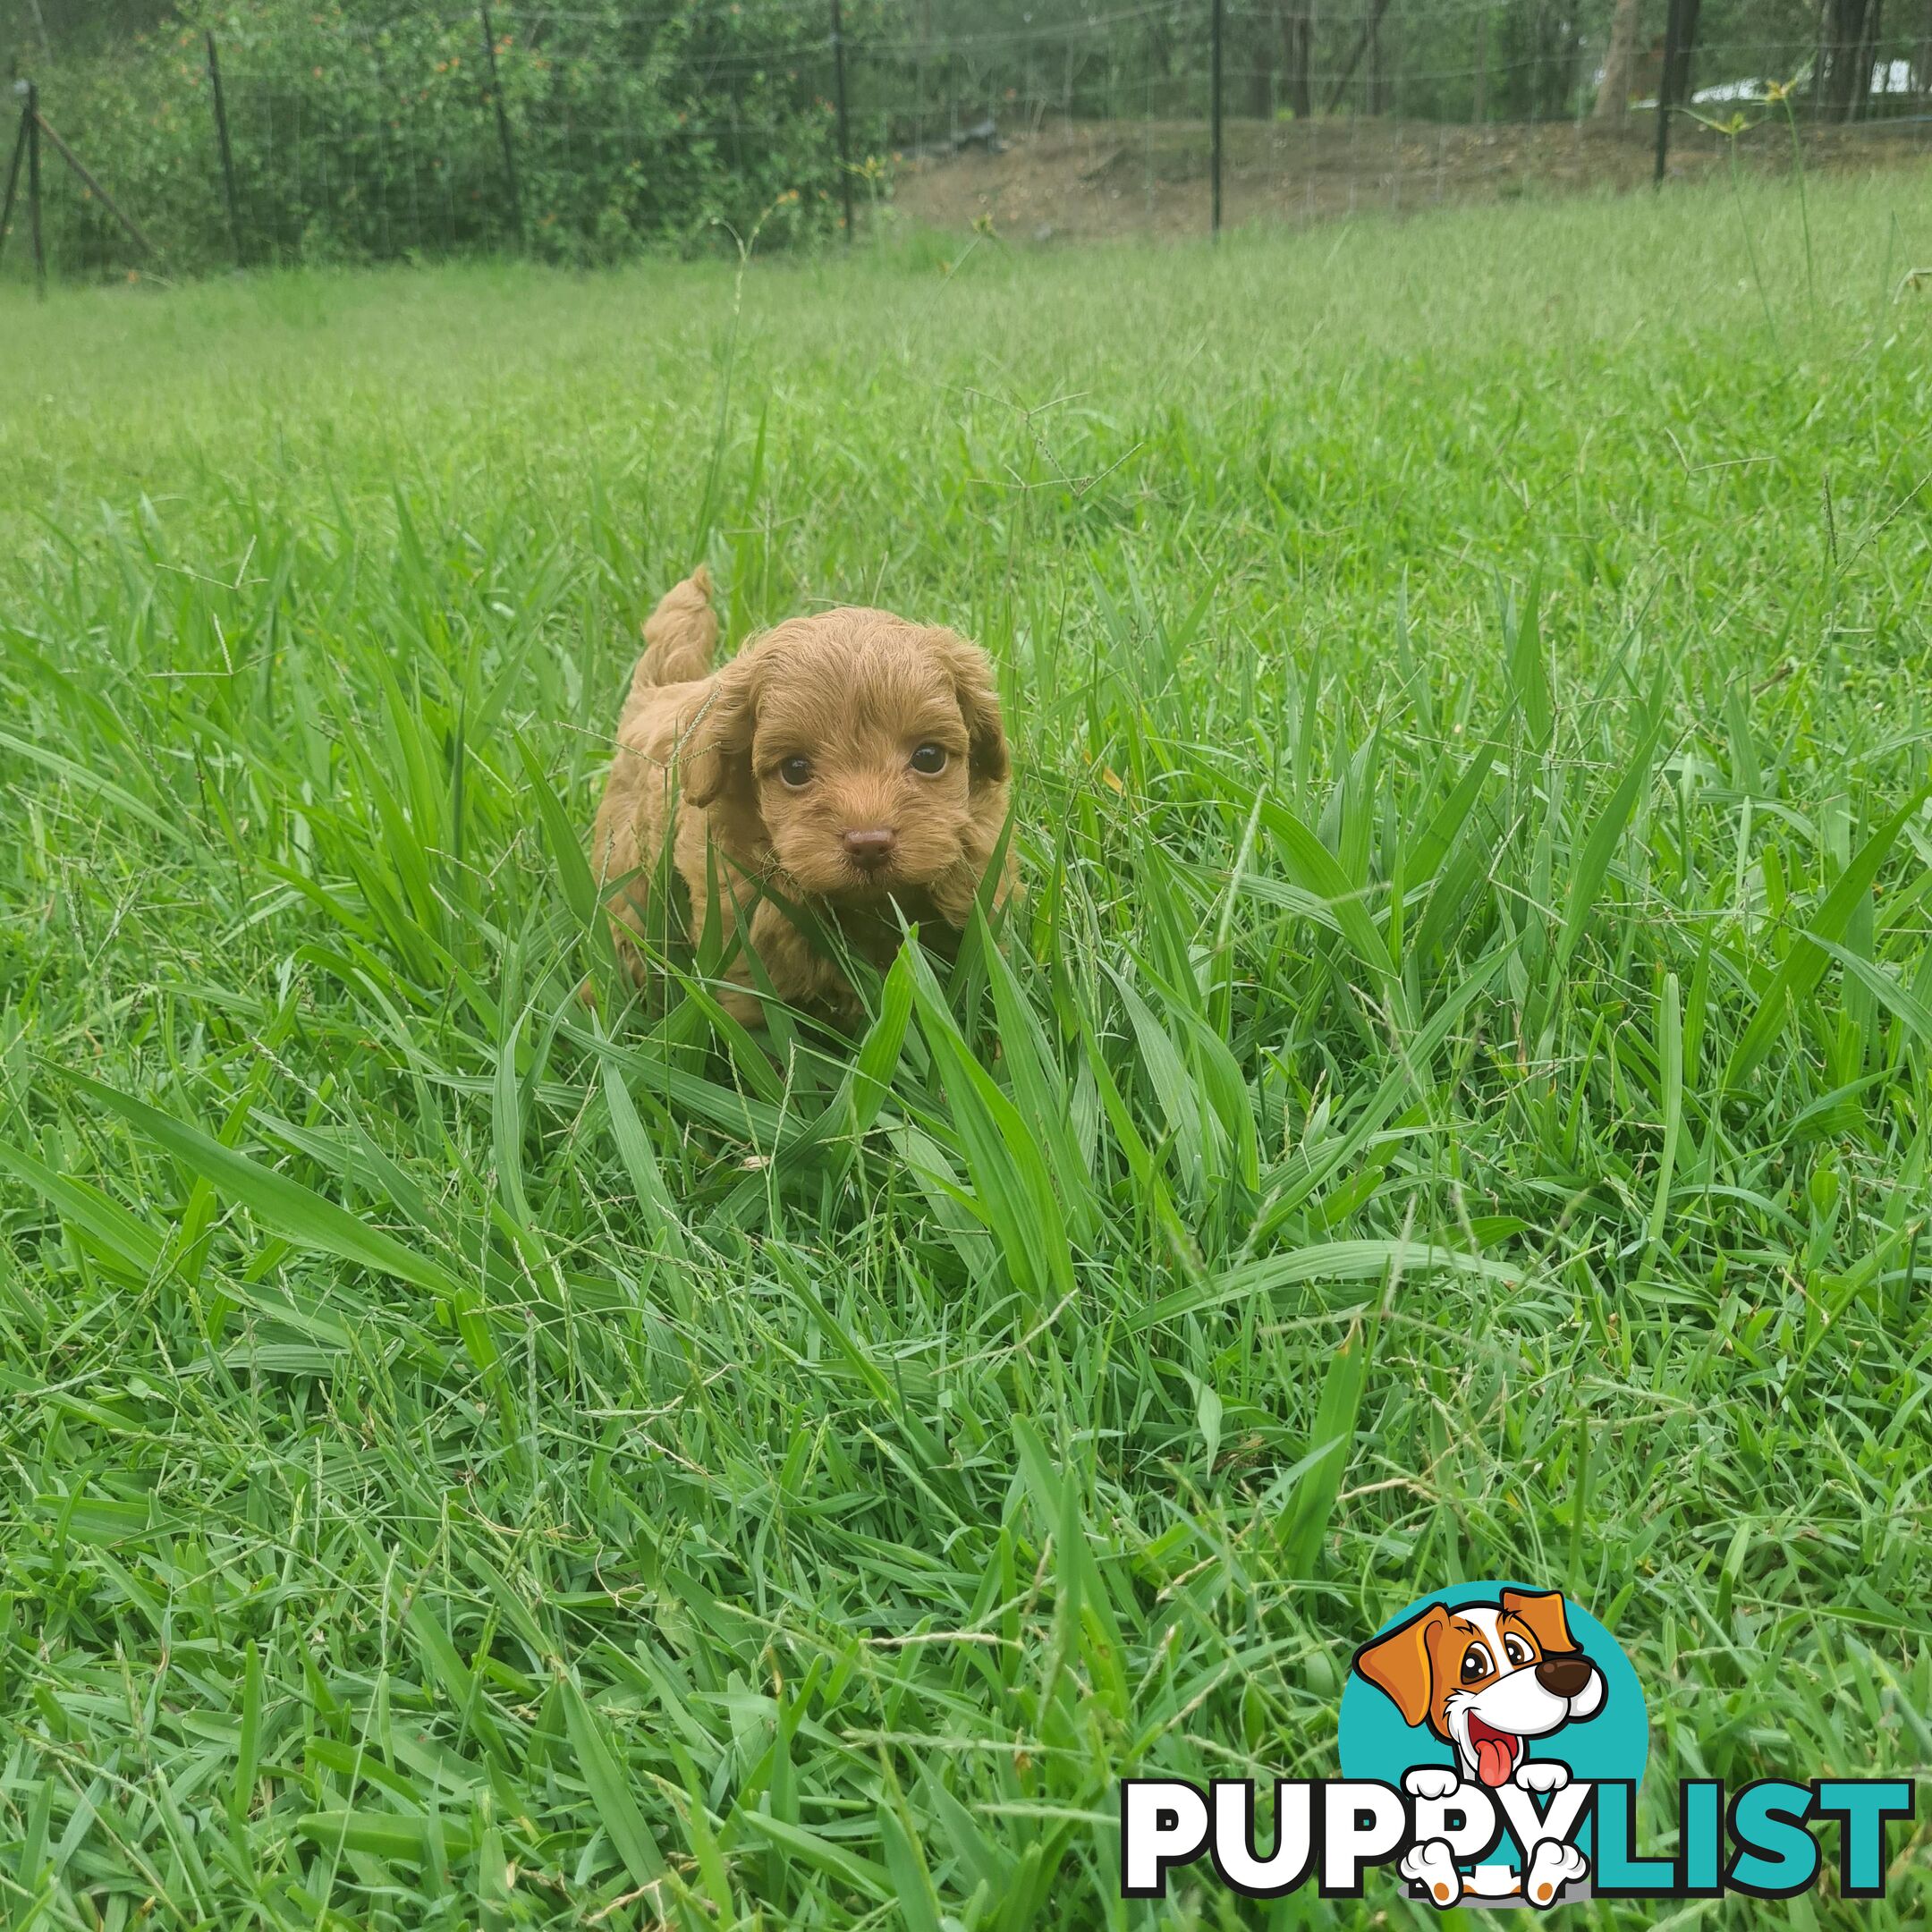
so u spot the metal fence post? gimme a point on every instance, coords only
(503, 123)
(227, 155)
(33, 189)
(1213, 95)
(1672, 28)
(838, 90)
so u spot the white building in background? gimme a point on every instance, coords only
(1730, 90)
(1888, 77)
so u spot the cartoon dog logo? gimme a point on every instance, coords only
(1488, 1679)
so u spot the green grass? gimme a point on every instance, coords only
(1460, 1106)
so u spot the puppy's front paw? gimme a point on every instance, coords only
(1554, 1866)
(1430, 1868)
(1542, 1775)
(1429, 1781)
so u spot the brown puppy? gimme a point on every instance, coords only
(853, 762)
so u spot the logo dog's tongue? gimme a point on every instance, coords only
(1495, 1753)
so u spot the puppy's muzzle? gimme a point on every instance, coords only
(1565, 1674)
(869, 850)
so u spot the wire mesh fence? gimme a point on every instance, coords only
(586, 134)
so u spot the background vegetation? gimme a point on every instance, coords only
(361, 131)
(366, 129)
(1461, 1110)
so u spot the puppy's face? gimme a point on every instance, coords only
(861, 750)
(1486, 1678)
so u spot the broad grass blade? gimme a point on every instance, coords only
(1333, 1436)
(610, 1788)
(282, 1206)
(1805, 964)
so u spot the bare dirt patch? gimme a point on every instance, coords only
(1082, 180)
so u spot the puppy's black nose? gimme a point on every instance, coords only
(1565, 1676)
(871, 849)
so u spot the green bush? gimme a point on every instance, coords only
(359, 135)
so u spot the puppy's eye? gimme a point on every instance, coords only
(931, 759)
(1476, 1664)
(796, 772)
(1516, 1650)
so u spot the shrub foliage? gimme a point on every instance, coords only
(362, 133)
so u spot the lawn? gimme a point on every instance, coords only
(1452, 1103)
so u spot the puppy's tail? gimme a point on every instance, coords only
(680, 635)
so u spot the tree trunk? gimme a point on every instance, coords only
(1261, 75)
(1620, 61)
(1378, 8)
(1868, 60)
(1298, 35)
(1844, 42)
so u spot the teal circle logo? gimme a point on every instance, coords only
(1498, 1690)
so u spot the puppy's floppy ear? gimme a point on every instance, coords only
(972, 672)
(1398, 1663)
(716, 761)
(1543, 1612)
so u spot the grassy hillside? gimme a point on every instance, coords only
(1459, 1110)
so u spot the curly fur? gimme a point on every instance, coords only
(702, 756)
